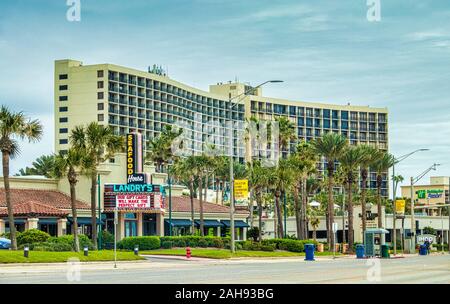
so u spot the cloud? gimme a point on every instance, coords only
(434, 38)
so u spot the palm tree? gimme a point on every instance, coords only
(315, 222)
(303, 163)
(350, 161)
(14, 126)
(369, 156)
(281, 181)
(184, 171)
(259, 181)
(43, 165)
(331, 146)
(286, 133)
(384, 162)
(99, 144)
(67, 164)
(160, 148)
(221, 173)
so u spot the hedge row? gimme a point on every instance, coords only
(289, 244)
(195, 241)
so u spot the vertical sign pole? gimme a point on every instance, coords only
(99, 213)
(116, 219)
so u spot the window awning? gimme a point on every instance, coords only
(83, 220)
(48, 221)
(209, 223)
(16, 221)
(237, 224)
(179, 222)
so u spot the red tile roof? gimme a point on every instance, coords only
(52, 198)
(32, 208)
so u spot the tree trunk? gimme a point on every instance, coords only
(73, 200)
(314, 233)
(363, 202)
(298, 215)
(331, 207)
(12, 227)
(217, 190)
(304, 208)
(191, 197)
(259, 202)
(94, 210)
(223, 189)
(351, 237)
(200, 186)
(205, 193)
(380, 218)
(279, 216)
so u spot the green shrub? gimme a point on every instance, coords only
(253, 233)
(7, 235)
(69, 240)
(144, 243)
(32, 236)
(179, 243)
(249, 245)
(218, 243)
(167, 244)
(47, 246)
(107, 238)
(203, 243)
(270, 247)
(289, 244)
(295, 246)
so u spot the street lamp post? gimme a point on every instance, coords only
(413, 220)
(394, 194)
(230, 110)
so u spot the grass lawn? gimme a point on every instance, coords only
(8, 256)
(226, 254)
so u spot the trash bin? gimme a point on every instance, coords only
(360, 251)
(385, 251)
(423, 250)
(309, 251)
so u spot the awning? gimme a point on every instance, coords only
(179, 222)
(16, 221)
(48, 221)
(237, 224)
(83, 220)
(209, 223)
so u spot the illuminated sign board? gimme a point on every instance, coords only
(134, 196)
(134, 154)
(429, 194)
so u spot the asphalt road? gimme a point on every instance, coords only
(417, 269)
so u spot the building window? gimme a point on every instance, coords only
(63, 87)
(100, 117)
(100, 106)
(63, 109)
(63, 130)
(63, 141)
(62, 98)
(99, 84)
(100, 73)
(63, 76)
(63, 119)
(100, 95)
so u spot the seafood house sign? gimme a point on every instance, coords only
(138, 192)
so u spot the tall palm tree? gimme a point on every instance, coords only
(331, 146)
(369, 156)
(184, 171)
(286, 133)
(14, 126)
(67, 164)
(303, 163)
(259, 180)
(160, 148)
(281, 181)
(350, 161)
(384, 162)
(99, 144)
(43, 165)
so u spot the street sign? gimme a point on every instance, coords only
(400, 207)
(240, 189)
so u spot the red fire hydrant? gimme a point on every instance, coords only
(188, 252)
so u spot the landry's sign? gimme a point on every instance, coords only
(134, 154)
(133, 201)
(134, 196)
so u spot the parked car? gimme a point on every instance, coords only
(5, 243)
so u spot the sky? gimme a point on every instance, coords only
(325, 51)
